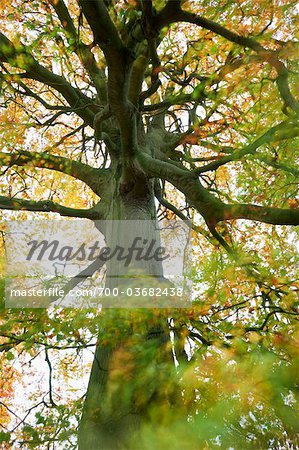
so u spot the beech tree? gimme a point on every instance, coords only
(133, 110)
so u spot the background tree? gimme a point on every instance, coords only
(107, 105)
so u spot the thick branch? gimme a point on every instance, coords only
(137, 76)
(119, 61)
(274, 216)
(104, 30)
(210, 207)
(106, 36)
(96, 179)
(18, 204)
(207, 204)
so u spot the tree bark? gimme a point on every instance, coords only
(126, 376)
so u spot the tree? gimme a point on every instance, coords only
(175, 100)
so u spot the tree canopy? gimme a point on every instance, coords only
(189, 107)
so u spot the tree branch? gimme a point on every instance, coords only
(96, 179)
(18, 204)
(119, 61)
(212, 209)
(104, 30)
(284, 130)
(82, 50)
(172, 12)
(274, 216)
(106, 36)
(20, 57)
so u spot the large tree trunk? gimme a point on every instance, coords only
(127, 385)
(128, 376)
